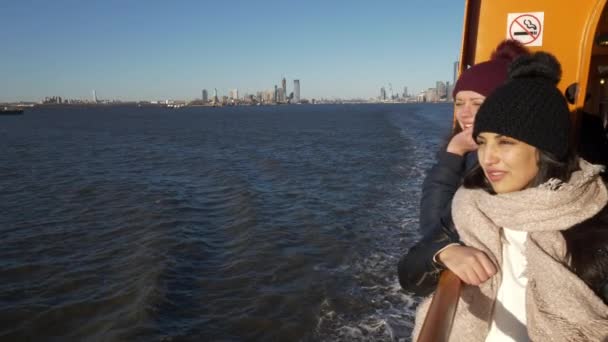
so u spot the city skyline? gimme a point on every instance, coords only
(150, 51)
(280, 95)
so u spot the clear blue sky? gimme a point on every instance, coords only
(135, 50)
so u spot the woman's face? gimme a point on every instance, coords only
(466, 105)
(508, 164)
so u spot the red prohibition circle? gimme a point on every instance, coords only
(540, 28)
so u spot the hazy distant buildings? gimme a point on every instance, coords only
(265, 96)
(450, 87)
(442, 90)
(421, 97)
(53, 100)
(382, 94)
(431, 95)
(276, 95)
(279, 95)
(296, 91)
(284, 86)
(234, 94)
(250, 99)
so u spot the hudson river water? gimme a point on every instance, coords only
(276, 223)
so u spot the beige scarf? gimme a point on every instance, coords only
(559, 305)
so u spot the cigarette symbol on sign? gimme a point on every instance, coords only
(526, 27)
(530, 26)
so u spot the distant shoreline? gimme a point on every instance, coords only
(178, 106)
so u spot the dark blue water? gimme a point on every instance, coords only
(218, 224)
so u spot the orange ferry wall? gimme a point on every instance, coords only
(569, 30)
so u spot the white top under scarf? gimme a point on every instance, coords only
(509, 315)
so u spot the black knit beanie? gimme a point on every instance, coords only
(529, 107)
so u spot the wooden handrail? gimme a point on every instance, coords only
(438, 322)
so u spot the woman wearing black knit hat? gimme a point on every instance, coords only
(539, 213)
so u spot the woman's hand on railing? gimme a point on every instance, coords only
(469, 264)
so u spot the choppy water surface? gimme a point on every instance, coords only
(219, 224)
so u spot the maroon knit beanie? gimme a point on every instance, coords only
(484, 77)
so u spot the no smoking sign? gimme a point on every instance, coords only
(526, 27)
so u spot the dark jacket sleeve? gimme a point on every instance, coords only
(418, 273)
(438, 189)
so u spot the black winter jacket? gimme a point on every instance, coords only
(439, 187)
(417, 270)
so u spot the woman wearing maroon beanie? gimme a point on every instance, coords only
(419, 269)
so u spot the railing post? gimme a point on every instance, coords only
(438, 322)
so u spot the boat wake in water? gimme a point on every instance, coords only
(375, 308)
(226, 224)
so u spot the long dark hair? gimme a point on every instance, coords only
(587, 245)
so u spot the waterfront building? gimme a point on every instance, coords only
(268, 96)
(234, 94)
(450, 91)
(421, 97)
(53, 100)
(205, 96)
(431, 95)
(405, 93)
(382, 94)
(284, 86)
(281, 95)
(455, 76)
(296, 91)
(441, 89)
(94, 96)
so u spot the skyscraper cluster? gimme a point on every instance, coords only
(277, 95)
(441, 92)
